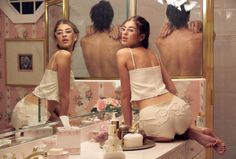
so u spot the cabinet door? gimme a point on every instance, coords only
(201, 155)
(193, 149)
(178, 154)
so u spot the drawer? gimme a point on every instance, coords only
(201, 155)
(180, 153)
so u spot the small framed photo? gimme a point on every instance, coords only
(25, 61)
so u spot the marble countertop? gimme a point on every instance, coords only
(92, 150)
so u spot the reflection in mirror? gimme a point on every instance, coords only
(80, 14)
(182, 57)
(53, 11)
(50, 98)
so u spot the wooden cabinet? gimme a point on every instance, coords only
(193, 149)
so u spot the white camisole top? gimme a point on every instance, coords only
(48, 87)
(146, 82)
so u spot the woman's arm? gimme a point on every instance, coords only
(125, 86)
(63, 64)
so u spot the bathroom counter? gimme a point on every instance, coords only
(173, 150)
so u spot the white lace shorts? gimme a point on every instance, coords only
(26, 114)
(166, 119)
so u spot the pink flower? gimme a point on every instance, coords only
(101, 105)
(107, 102)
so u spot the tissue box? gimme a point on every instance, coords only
(38, 132)
(69, 139)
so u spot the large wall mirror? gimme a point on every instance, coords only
(154, 12)
(78, 11)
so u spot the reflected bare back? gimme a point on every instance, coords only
(181, 52)
(99, 51)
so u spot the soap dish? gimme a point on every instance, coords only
(146, 144)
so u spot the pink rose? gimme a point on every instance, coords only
(101, 105)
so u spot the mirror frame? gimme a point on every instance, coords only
(208, 63)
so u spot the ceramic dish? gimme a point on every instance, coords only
(146, 144)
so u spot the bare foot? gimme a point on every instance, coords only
(205, 140)
(220, 147)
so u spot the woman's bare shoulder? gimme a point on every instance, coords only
(62, 54)
(122, 52)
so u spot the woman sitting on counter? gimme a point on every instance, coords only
(144, 80)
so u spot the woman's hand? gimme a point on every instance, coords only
(195, 26)
(89, 30)
(166, 30)
(115, 32)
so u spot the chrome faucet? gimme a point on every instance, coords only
(35, 153)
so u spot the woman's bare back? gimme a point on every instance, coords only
(99, 51)
(181, 52)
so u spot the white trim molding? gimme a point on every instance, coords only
(16, 17)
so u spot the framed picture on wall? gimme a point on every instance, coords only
(25, 61)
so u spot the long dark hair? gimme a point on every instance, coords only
(102, 15)
(71, 24)
(143, 27)
(176, 17)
